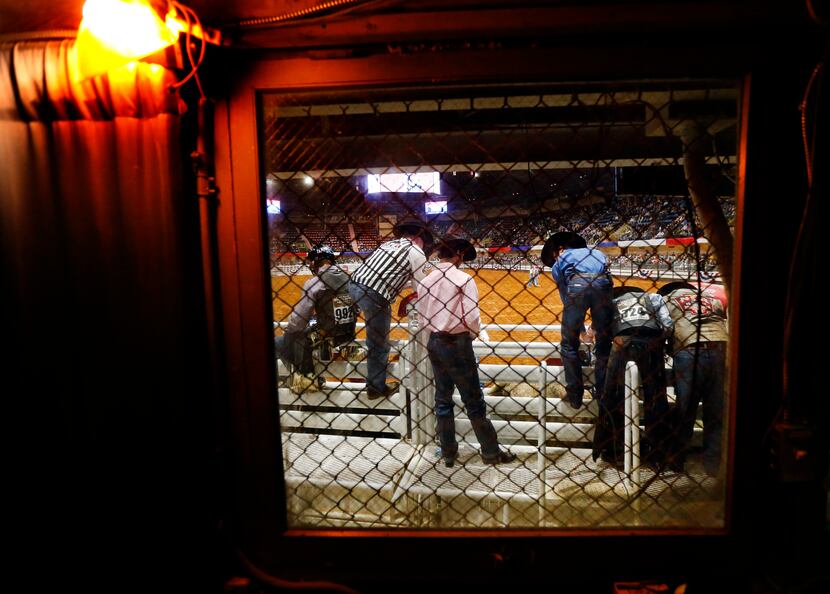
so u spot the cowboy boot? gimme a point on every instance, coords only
(446, 437)
(489, 442)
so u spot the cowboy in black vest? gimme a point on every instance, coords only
(325, 315)
(640, 328)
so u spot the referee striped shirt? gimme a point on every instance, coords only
(391, 266)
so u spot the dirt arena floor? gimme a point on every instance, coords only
(504, 298)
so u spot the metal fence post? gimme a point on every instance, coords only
(418, 380)
(632, 425)
(541, 459)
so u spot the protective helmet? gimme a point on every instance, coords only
(321, 252)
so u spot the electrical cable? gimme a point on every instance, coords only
(808, 144)
(198, 23)
(191, 19)
(309, 14)
(794, 288)
(296, 14)
(811, 10)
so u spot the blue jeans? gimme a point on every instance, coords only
(647, 353)
(454, 365)
(580, 296)
(378, 315)
(699, 377)
(294, 349)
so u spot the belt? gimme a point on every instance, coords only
(587, 276)
(367, 290)
(447, 335)
(627, 339)
(704, 345)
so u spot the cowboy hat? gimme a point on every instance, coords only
(458, 245)
(414, 227)
(673, 286)
(567, 239)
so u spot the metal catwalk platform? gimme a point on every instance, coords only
(359, 482)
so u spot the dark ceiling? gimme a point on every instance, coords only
(371, 21)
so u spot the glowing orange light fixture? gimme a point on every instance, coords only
(116, 32)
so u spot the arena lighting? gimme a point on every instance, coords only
(427, 182)
(114, 33)
(435, 207)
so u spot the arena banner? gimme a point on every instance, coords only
(685, 240)
(659, 242)
(680, 240)
(642, 243)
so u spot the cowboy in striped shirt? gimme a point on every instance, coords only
(376, 284)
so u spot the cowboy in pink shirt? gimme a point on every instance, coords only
(448, 307)
(452, 306)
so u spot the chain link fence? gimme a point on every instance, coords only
(504, 168)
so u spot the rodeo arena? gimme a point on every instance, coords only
(509, 221)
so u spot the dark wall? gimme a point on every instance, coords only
(783, 514)
(109, 404)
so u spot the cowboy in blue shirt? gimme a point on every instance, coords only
(581, 274)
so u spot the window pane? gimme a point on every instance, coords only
(509, 393)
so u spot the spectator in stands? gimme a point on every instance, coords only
(376, 284)
(584, 282)
(448, 306)
(325, 312)
(640, 328)
(699, 353)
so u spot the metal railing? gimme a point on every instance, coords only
(342, 409)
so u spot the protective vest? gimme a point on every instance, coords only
(634, 312)
(336, 312)
(697, 309)
(697, 318)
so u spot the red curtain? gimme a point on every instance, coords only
(96, 261)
